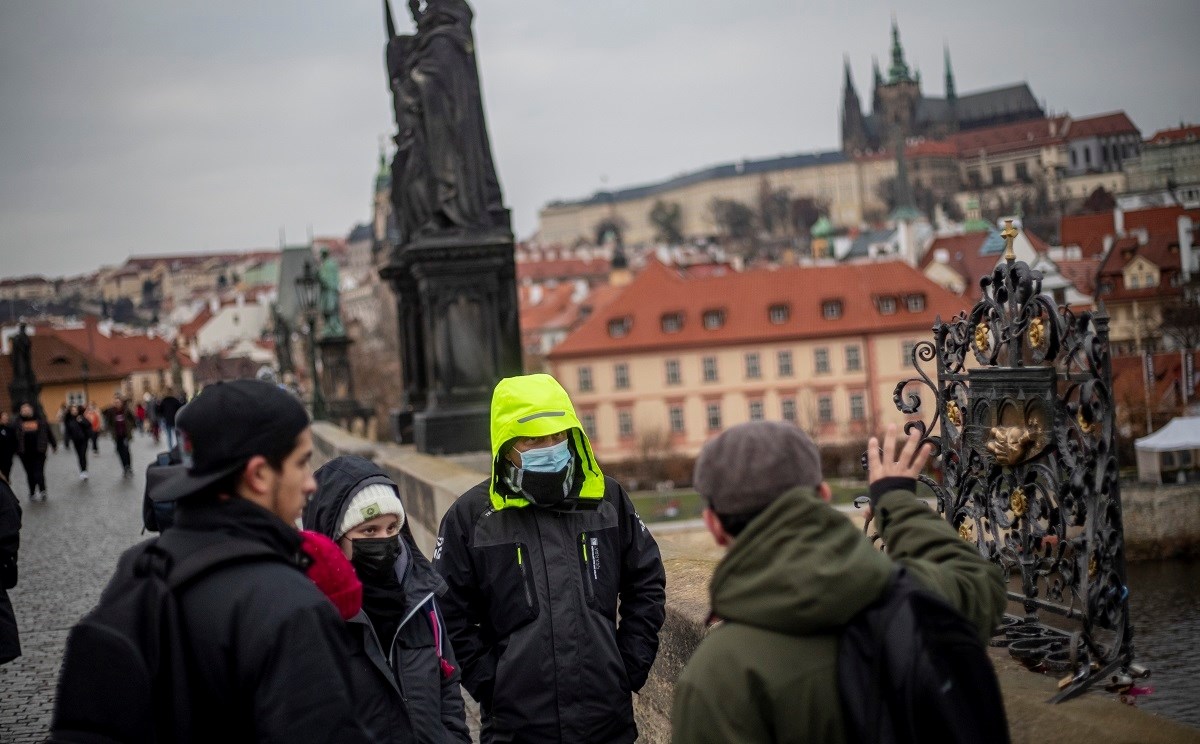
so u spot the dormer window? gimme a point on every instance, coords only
(831, 309)
(915, 303)
(778, 314)
(619, 327)
(672, 322)
(887, 305)
(714, 319)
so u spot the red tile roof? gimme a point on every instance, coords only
(1086, 231)
(19, 281)
(562, 268)
(126, 354)
(188, 330)
(1129, 382)
(1102, 125)
(548, 310)
(1189, 133)
(1021, 135)
(1081, 273)
(745, 299)
(55, 361)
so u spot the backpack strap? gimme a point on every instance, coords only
(195, 554)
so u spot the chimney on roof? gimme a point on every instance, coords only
(942, 256)
(535, 294)
(1142, 234)
(1108, 243)
(1187, 235)
(1119, 222)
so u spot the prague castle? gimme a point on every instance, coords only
(899, 108)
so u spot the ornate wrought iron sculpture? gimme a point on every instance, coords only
(1024, 437)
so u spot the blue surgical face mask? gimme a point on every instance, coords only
(546, 459)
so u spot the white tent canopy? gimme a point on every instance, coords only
(1182, 433)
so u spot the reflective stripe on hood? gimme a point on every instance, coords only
(536, 406)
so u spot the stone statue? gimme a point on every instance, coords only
(22, 357)
(283, 341)
(331, 297)
(444, 179)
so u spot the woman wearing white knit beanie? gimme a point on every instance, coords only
(405, 676)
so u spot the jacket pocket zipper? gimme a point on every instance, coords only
(524, 577)
(588, 581)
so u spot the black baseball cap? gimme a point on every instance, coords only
(224, 426)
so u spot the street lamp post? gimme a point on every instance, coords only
(308, 288)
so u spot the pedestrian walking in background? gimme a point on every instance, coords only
(406, 679)
(267, 651)
(121, 421)
(10, 543)
(140, 415)
(168, 408)
(95, 420)
(556, 588)
(79, 432)
(35, 437)
(60, 422)
(796, 572)
(8, 444)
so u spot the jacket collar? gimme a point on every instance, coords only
(238, 517)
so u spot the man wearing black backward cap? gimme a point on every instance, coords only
(267, 650)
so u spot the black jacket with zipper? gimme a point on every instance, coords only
(268, 649)
(406, 687)
(533, 614)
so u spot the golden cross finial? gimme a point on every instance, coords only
(1009, 234)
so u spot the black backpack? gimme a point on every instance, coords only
(158, 515)
(912, 669)
(125, 671)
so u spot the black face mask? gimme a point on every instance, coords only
(545, 489)
(374, 558)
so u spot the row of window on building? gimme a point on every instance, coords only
(777, 314)
(784, 367)
(714, 419)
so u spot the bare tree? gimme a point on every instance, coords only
(667, 218)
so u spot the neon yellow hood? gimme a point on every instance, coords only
(535, 406)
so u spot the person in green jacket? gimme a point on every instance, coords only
(795, 572)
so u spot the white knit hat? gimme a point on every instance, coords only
(374, 500)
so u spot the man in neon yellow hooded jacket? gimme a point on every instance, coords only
(556, 588)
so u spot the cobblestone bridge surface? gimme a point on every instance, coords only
(69, 547)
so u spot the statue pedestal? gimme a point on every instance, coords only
(337, 383)
(457, 306)
(453, 430)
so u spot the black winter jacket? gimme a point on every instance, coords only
(267, 648)
(406, 687)
(533, 614)
(79, 429)
(44, 434)
(10, 542)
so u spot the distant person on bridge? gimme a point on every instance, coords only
(121, 423)
(8, 444)
(556, 590)
(35, 436)
(796, 573)
(167, 409)
(79, 433)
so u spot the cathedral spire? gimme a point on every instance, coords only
(898, 72)
(951, 93)
(854, 132)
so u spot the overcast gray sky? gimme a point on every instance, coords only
(137, 126)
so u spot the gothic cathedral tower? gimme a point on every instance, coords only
(854, 130)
